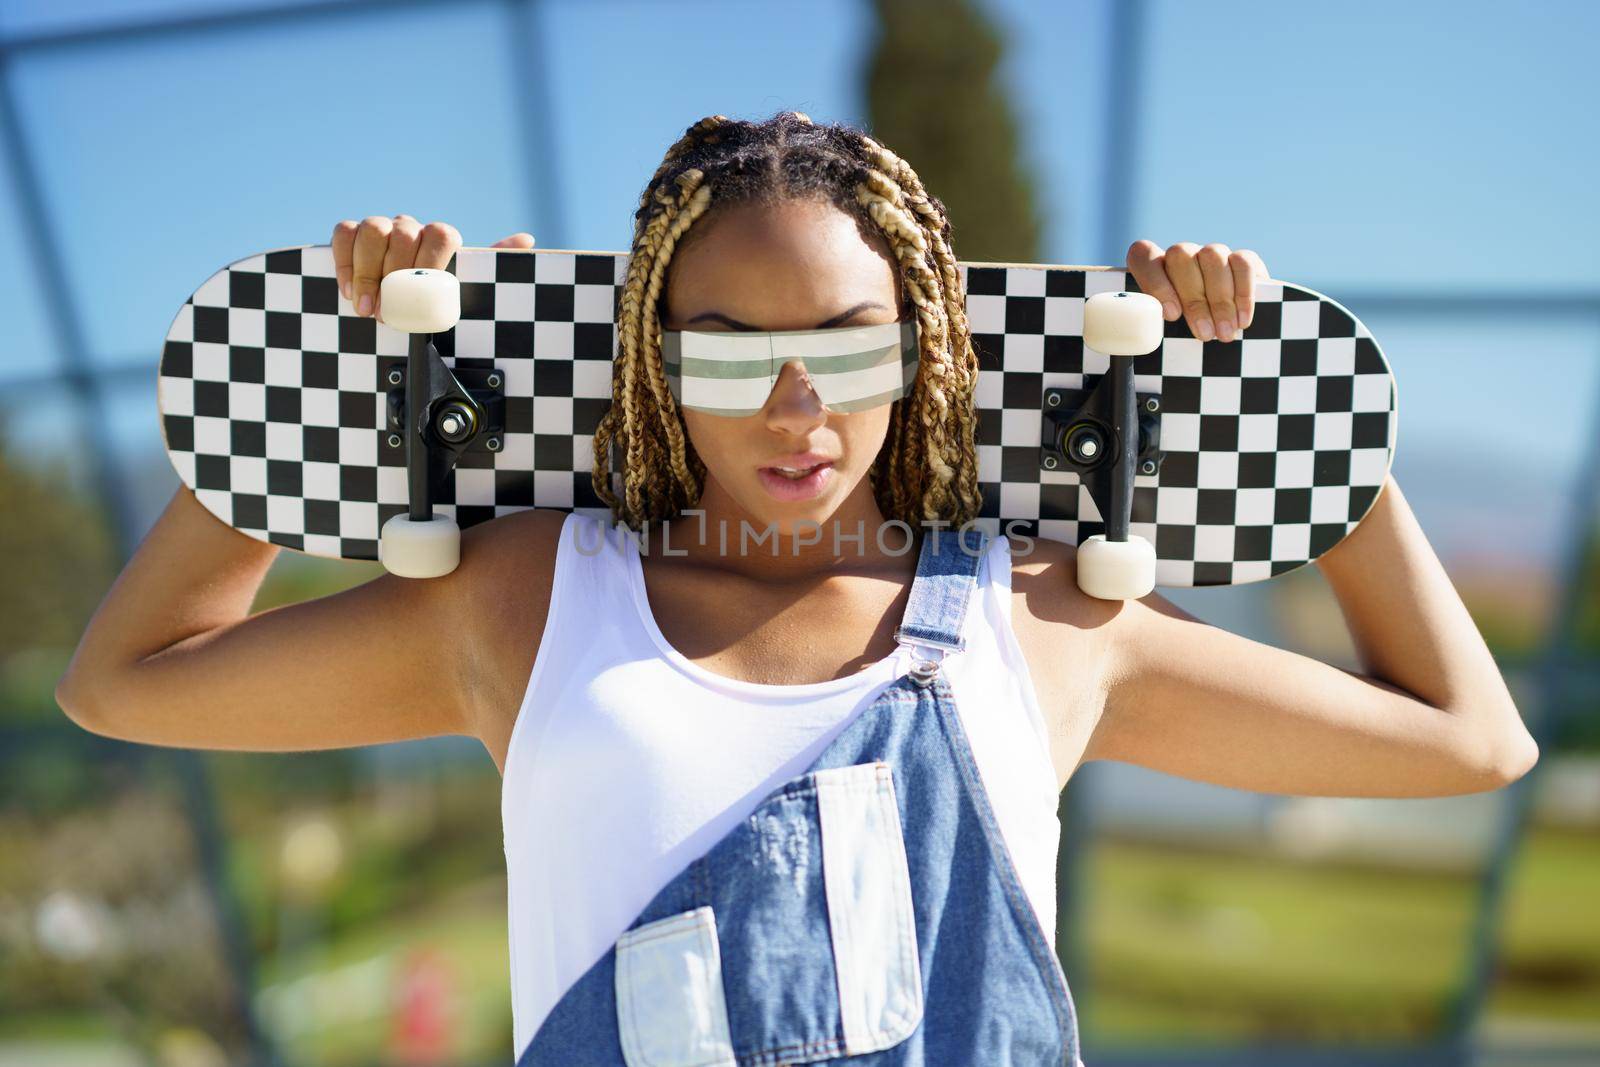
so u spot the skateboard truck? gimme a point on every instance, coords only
(437, 419)
(1078, 436)
(464, 408)
(1103, 436)
(468, 407)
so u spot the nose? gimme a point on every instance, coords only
(794, 407)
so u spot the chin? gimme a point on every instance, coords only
(785, 515)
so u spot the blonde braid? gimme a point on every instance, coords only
(648, 462)
(952, 425)
(882, 199)
(696, 199)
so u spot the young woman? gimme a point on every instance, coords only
(794, 798)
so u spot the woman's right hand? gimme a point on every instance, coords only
(365, 253)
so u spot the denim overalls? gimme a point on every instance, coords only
(866, 909)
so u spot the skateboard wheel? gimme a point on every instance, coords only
(428, 549)
(1116, 570)
(1122, 324)
(420, 300)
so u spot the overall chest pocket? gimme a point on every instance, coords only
(806, 949)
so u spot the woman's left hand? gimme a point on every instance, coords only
(1213, 287)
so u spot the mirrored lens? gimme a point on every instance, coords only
(732, 373)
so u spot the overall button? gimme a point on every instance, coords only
(923, 671)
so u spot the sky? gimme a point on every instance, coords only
(1371, 151)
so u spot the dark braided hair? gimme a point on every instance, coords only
(927, 468)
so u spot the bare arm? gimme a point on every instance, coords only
(173, 657)
(1434, 717)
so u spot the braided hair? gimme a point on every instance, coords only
(927, 468)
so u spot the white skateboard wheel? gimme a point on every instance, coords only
(1116, 570)
(1122, 324)
(428, 549)
(420, 300)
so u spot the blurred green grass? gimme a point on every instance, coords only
(1214, 948)
(1185, 946)
(1188, 947)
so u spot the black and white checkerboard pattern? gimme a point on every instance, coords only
(272, 395)
(1275, 445)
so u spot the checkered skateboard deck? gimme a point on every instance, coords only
(274, 401)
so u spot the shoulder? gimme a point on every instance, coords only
(1031, 555)
(505, 581)
(514, 552)
(1044, 589)
(523, 540)
(1067, 638)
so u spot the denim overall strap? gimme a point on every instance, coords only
(942, 588)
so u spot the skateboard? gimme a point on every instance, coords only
(287, 415)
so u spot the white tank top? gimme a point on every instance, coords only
(628, 761)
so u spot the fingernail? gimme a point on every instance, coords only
(344, 290)
(365, 307)
(1241, 321)
(1224, 331)
(1204, 328)
(1172, 310)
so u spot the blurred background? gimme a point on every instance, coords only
(1423, 163)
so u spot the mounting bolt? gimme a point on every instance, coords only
(1148, 467)
(1049, 463)
(395, 377)
(1152, 404)
(492, 444)
(1052, 399)
(394, 440)
(493, 381)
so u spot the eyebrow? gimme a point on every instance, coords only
(717, 316)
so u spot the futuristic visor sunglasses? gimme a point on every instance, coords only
(851, 368)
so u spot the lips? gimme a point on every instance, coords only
(808, 473)
(797, 461)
